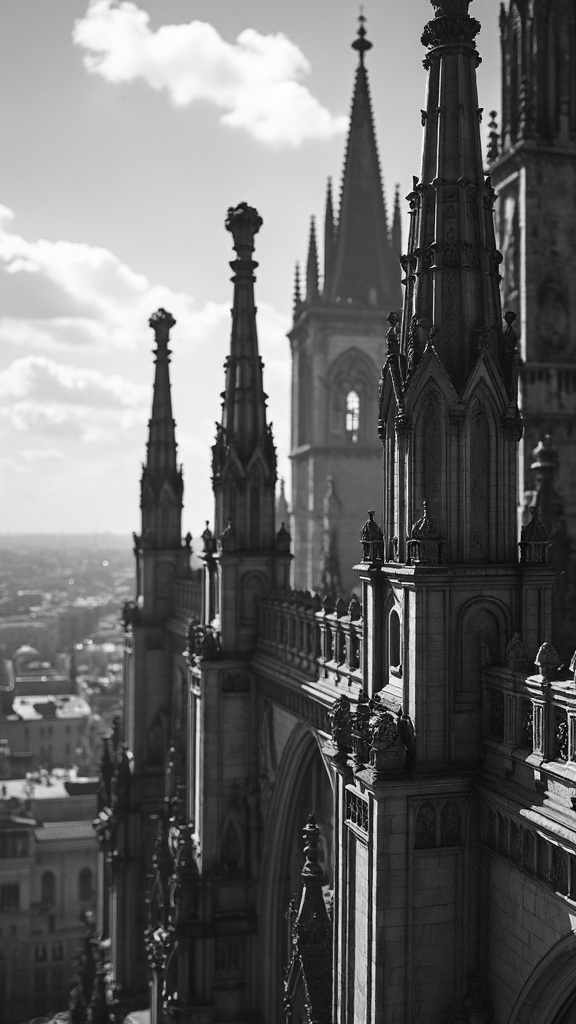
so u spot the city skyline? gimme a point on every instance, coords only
(132, 128)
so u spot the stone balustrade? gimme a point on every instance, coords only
(531, 719)
(316, 638)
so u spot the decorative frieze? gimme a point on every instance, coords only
(531, 852)
(438, 823)
(357, 812)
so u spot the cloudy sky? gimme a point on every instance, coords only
(129, 128)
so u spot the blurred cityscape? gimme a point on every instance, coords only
(61, 651)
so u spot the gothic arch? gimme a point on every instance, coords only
(549, 995)
(430, 443)
(300, 759)
(480, 621)
(481, 433)
(352, 373)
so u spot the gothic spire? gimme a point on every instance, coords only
(161, 484)
(244, 405)
(363, 271)
(452, 262)
(329, 231)
(312, 265)
(244, 457)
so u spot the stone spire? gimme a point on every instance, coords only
(161, 482)
(363, 270)
(311, 937)
(329, 234)
(312, 265)
(452, 263)
(244, 406)
(244, 457)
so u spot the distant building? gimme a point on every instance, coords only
(47, 884)
(34, 674)
(51, 728)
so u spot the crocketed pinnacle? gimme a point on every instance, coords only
(452, 263)
(244, 405)
(161, 486)
(362, 270)
(312, 265)
(161, 448)
(328, 234)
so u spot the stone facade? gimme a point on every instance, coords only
(532, 162)
(405, 730)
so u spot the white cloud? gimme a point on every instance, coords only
(43, 397)
(91, 297)
(256, 80)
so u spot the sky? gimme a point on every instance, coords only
(128, 130)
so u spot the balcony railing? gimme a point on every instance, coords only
(318, 639)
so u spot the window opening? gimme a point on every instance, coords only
(352, 415)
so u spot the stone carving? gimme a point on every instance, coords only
(450, 825)
(203, 643)
(425, 833)
(310, 967)
(357, 811)
(527, 735)
(361, 733)
(372, 540)
(425, 544)
(517, 657)
(560, 735)
(548, 662)
(341, 717)
(534, 539)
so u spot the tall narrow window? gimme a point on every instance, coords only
(394, 649)
(352, 415)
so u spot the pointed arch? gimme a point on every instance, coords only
(482, 429)
(484, 627)
(352, 389)
(429, 463)
(549, 995)
(301, 761)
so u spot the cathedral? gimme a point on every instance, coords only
(342, 789)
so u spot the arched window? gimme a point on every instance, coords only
(48, 888)
(352, 416)
(85, 885)
(395, 649)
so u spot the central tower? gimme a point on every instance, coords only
(337, 343)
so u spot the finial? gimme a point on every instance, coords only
(243, 222)
(451, 25)
(361, 44)
(161, 323)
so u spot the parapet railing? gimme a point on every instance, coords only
(319, 639)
